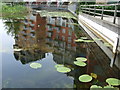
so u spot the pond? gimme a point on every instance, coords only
(50, 41)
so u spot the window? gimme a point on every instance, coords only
(63, 30)
(69, 39)
(63, 38)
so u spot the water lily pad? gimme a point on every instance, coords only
(58, 65)
(85, 78)
(80, 63)
(63, 69)
(93, 75)
(97, 39)
(108, 86)
(113, 81)
(79, 40)
(89, 41)
(95, 86)
(18, 50)
(35, 65)
(83, 37)
(76, 40)
(81, 59)
(107, 44)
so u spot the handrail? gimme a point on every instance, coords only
(103, 5)
(91, 9)
(101, 10)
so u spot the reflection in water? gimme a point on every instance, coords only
(12, 26)
(53, 37)
(41, 35)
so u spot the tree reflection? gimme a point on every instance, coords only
(12, 26)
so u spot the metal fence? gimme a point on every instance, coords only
(99, 10)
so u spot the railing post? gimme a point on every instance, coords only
(94, 10)
(102, 12)
(89, 9)
(115, 14)
(80, 10)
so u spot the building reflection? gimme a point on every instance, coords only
(40, 35)
(29, 41)
(51, 34)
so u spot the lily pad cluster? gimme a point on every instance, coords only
(62, 68)
(35, 65)
(80, 61)
(111, 81)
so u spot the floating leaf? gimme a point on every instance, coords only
(95, 86)
(35, 65)
(93, 75)
(113, 81)
(97, 39)
(89, 41)
(83, 37)
(63, 69)
(107, 44)
(108, 86)
(81, 59)
(80, 63)
(17, 50)
(58, 65)
(79, 40)
(73, 23)
(85, 78)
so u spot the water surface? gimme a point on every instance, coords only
(49, 41)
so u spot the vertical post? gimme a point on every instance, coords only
(89, 9)
(94, 10)
(115, 51)
(79, 8)
(102, 12)
(115, 13)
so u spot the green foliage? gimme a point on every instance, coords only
(17, 11)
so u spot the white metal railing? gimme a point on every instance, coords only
(93, 9)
